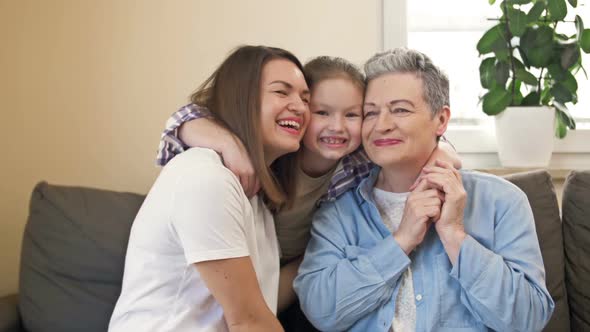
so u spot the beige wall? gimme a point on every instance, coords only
(85, 86)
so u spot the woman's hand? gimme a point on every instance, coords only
(449, 226)
(422, 206)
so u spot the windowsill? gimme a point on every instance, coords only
(476, 145)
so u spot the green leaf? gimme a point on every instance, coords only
(517, 99)
(569, 55)
(517, 63)
(495, 101)
(564, 120)
(516, 82)
(574, 3)
(491, 2)
(492, 39)
(556, 71)
(535, 12)
(545, 96)
(579, 28)
(569, 120)
(557, 9)
(518, 2)
(517, 21)
(487, 72)
(536, 36)
(537, 45)
(502, 72)
(574, 98)
(561, 93)
(502, 54)
(570, 82)
(541, 56)
(516, 96)
(562, 38)
(560, 128)
(526, 77)
(525, 61)
(545, 35)
(532, 99)
(585, 41)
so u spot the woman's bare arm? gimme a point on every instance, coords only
(234, 285)
(287, 295)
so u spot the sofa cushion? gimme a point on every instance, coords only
(541, 195)
(72, 258)
(576, 231)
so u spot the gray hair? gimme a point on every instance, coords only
(402, 60)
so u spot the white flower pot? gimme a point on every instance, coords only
(525, 136)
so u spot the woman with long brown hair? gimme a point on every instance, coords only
(202, 256)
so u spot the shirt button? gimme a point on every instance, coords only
(419, 297)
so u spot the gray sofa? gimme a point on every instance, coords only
(75, 240)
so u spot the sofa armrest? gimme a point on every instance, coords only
(9, 316)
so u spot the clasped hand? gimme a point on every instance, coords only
(438, 198)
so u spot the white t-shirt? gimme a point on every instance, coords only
(196, 211)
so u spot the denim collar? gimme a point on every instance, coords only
(365, 188)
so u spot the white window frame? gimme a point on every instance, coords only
(476, 143)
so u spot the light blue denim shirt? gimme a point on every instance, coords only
(350, 275)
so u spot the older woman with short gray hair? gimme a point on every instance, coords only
(419, 247)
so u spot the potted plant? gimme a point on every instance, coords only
(528, 69)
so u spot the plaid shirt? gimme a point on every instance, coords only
(355, 166)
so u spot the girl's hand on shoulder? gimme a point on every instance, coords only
(445, 152)
(236, 159)
(207, 133)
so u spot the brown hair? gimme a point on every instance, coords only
(232, 94)
(327, 67)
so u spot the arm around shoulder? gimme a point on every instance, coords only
(170, 144)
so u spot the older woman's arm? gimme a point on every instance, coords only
(338, 282)
(503, 287)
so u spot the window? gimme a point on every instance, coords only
(448, 32)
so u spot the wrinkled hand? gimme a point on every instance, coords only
(422, 206)
(444, 152)
(447, 179)
(449, 225)
(236, 159)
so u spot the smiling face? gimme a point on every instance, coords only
(284, 107)
(336, 117)
(399, 128)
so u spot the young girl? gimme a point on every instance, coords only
(201, 255)
(330, 162)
